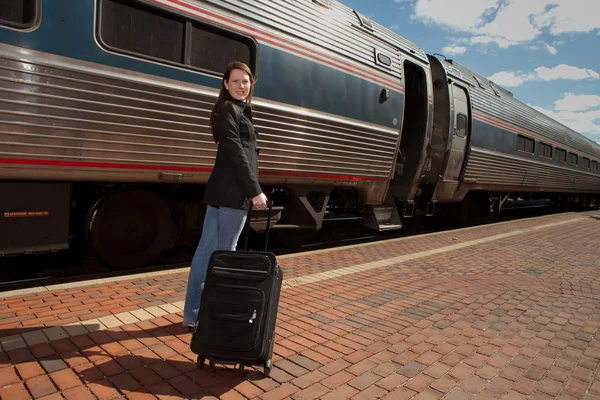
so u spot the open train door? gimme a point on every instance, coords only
(458, 146)
(460, 137)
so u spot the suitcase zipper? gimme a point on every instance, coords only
(253, 317)
(241, 270)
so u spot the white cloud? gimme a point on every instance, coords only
(510, 22)
(501, 42)
(566, 16)
(562, 71)
(574, 102)
(465, 16)
(510, 79)
(454, 50)
(552, 50)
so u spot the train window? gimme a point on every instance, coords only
(573, 158)
(545, 150)
(141, 31)
(383, 59)
(525, 144)
(20, 14)
(595, 165)
(586, 162)
(214, 52)
(461, 125)
(561, 155)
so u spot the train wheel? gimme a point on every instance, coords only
(129, 229)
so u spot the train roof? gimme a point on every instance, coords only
(330, 25)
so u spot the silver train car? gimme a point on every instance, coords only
(493, 147)
(104, 139)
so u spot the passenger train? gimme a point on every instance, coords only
(104, 138)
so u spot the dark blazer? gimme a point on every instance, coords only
(234, 178)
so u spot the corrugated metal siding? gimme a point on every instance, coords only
(57, 113)
(511, 110)
(300, 144)
(495, 169)
(327, 28)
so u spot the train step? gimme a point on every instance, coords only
(383, 217)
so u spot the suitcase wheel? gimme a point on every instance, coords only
(267, 368)
(200, 362)
(211, 363)
(241, 367)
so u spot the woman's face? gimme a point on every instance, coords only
(238, 84)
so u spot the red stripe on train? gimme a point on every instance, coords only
(169, 168)
(87, 164)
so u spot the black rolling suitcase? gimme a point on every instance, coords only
(238, 309)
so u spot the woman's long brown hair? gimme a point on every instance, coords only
(224, 95)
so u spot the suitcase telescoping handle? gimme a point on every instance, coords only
(247, 225)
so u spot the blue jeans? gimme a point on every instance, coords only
(221, 231)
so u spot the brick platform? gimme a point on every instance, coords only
(506, 311)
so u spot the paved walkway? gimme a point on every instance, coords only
(506, 311)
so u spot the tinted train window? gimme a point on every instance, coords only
(573, 158)
(214, 52)
(461, 125)
(383, 59)
(545, 150)
(525, 144)
(142, 31)
(147, 32)
(19, 13)
(586, 162)
(594, 165)
(561, 155)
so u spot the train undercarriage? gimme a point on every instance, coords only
(130, 226)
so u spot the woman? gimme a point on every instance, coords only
(233, 182)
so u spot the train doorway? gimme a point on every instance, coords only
(414, 131)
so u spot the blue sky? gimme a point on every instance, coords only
(546, 52)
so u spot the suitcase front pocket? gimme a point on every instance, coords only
(242, 274)
(232, 312)
(246, 266)
(234, 317)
